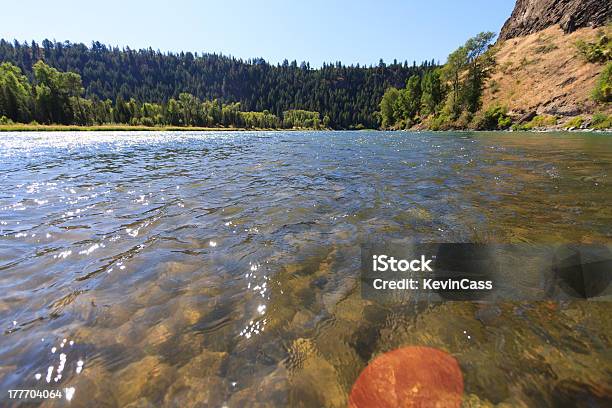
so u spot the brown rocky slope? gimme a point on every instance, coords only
(543, 73)
(538, 67)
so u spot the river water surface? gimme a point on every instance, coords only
(222, 269)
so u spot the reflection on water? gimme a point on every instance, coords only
(221, 269)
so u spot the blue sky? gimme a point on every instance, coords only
(351, 31)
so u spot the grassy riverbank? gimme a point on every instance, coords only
(21, 127)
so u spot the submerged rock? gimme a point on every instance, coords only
(409, 377)
(147, 378)
(195, 391)
(313, 381)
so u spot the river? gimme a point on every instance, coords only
(222, 268)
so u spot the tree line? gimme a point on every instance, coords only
(448, 96)
(347, 95)
(55, 97)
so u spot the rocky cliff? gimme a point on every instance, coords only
(530, 16)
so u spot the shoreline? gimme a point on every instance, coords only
(98, 128)
(138, 128)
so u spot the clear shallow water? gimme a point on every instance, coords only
(222, 268)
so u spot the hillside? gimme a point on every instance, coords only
(543, 73)
(550, 68)
(534, 69)
(349, 95)
(539, 69)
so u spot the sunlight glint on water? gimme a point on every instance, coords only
(222, 267)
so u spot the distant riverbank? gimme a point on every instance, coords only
(20, 127)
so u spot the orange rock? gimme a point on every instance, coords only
(409, 377)
(551, 306)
